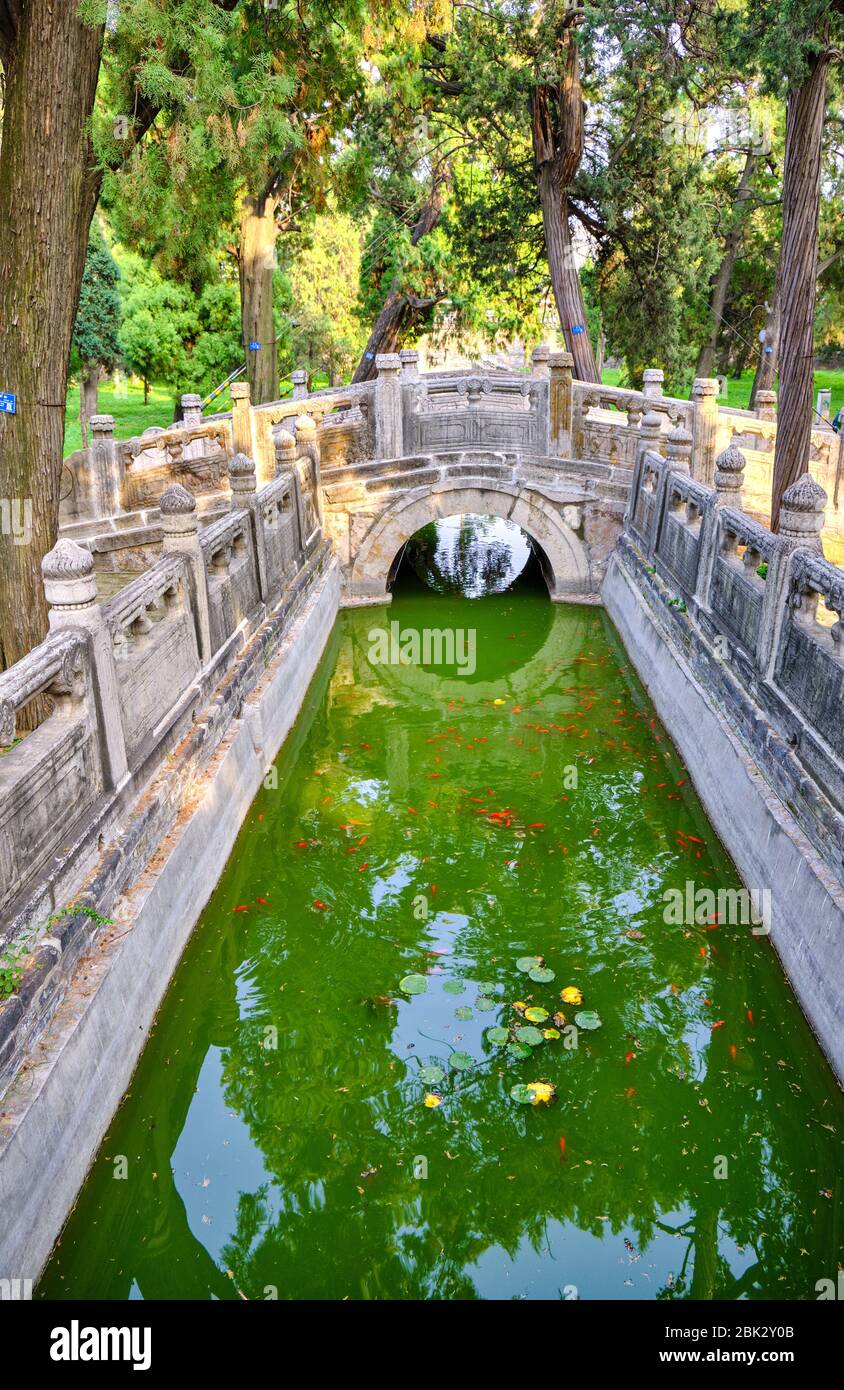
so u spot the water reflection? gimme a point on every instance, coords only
(468, 555)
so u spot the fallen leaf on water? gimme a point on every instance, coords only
(571, 995)
(432, 1100)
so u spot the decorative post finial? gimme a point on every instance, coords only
(729, 475)
(802, 514)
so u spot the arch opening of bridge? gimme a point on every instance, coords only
(561, 551)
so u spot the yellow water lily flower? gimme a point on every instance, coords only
(571, 995)
(499, 702)
(543, 1092)
(432, 1100)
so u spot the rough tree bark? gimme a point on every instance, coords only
(557, 128)
(400, 309)
(48, 192)
(258, 232)
(721, 280)
(798, 277)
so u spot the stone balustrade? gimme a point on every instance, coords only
(760, 615)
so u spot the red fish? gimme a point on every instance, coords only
(320, 905)
(630, 1092)
(629, 1057)
(242, 908)
(261, 900)
(733, 1051)
(750, 1015)
(412, 812)
(719, 1024)
(562, 1147)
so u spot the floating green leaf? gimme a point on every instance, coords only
(431, 1076)
(536, 1015)
(414, 984)
(522, 1094)
(541, 975)
(487, 989)
(485, 1006)
(453, 987)
(588, 1019)
(518, 1051)
(497, 1036)
(531, 1036)
(463, 1013)
(461, 1060)
(528, 963)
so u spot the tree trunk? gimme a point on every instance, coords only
(48, 191)
(256, 261)
(723, 275)
(766, 366)
(401, 310)
(89, 385)
(798, 277)
(557, 129)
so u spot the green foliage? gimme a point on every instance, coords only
(323, 274)
(96, 341)
(13, 956)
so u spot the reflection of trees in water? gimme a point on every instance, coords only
(468, 555)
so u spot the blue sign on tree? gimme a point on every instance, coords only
(577, 328)
(254, 345)
(8, 403)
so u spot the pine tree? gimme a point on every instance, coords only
(95, 344)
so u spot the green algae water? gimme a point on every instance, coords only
(334, 1102)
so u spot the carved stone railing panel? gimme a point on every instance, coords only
(233, 592)
(155, 647)
(475, 411)
(737, 591)
(196, 457)
(810, 660)
(52, 777)
(279, 519)
(679, 544)
(644, 497)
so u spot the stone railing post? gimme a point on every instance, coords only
(181, 534)
(678, 450)
(285, 452)
(802, 517)
(243, 483)
(299, 377)
(409, 359)
(106, 469)
(560, 404)
(70, 587)
(652, 379)
(388, 406)
(650, 434)
(191, 410)
(728, 480)
(241, 417)
(729, 475)
(540, 360)
(766, 405)
(704, 429)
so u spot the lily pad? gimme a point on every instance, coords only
(522, 1094)
(487, 989)
(413, 984)
(463, 1013)
(453, 987)
(536, 1015)
(461, 1060)
(497, 1036)
(588, 1019)
(485, 1005)
(518, 1051)
(531, 1036)
(550, 1034)
(541, 975)
(431, 1076)
(528, 963)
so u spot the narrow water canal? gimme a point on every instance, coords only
(305, 1124)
